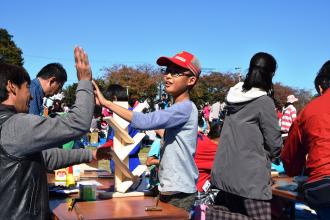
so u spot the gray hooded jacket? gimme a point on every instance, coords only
(249, 139)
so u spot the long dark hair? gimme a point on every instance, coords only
(261, 71)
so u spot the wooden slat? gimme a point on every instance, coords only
(125, 185)
(124, 152)
(119, 130)
(123, 123)
(118, 163)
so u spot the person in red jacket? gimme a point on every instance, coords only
(205, 152)
(307, 147)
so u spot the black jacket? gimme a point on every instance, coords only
(24, 194)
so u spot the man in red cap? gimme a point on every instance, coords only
(177, 170)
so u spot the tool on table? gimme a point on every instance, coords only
(155, 207)
(72, 205)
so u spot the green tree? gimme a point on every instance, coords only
(282, 91)
(141, 81)
(213, 87)
(146, 81)
(70, 91)
(70, 94)
(9, 52)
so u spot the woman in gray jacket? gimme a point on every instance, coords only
(250, 139)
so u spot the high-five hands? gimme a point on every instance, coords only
(84, 71)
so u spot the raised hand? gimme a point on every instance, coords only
(84, 71)
(99, 98)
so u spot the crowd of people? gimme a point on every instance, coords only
(226, 146)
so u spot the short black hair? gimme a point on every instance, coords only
(14, 73)
(215, 130)
(53, 70)
(323, 77)
(116, 91)
(261, 71)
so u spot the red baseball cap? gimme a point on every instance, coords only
(183, 59)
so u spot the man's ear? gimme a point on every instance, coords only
(321, 90)
(51, 80)
(11, 87)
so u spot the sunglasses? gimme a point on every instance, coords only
(176, 73)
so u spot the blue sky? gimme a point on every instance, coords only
(224, 35)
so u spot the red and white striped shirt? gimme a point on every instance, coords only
(288, 117)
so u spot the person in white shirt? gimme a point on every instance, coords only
(215, 111)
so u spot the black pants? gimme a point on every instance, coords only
(232, 207)
(180, 200)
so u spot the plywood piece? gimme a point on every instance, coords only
(119, 175)
(274, 174)
(130, 194)
(109, 195)
(139, 170)
(83, 167)
(141, 106)
(119, 130)
(125, 185)
(124, 124)
(124, 152)
(122, 167)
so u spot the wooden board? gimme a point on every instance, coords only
(119, 164)
(141, 106)
(139, 170)
(96, 174)
(121, 171)
(124, 152)
(123, 123)
(119, 130)
(275, 174)
(129, 194)
(125, 185)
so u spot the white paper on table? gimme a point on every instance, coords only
(89, 182)
(84, 167)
